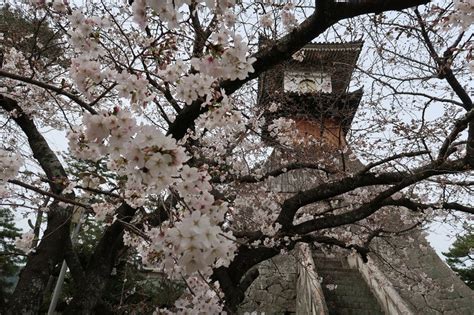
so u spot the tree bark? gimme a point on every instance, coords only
(233, 280)
(28, 294)
(100, 266)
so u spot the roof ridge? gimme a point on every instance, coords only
(329, 45)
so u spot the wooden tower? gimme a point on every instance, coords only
(314, 92)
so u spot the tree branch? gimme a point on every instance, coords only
(47, 193)
(391, 158)
(282, 170)
(416, 206)
(370, 207)
(28, 293)
(38, 144)
(49, 87)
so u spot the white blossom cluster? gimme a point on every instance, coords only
(131, 86)
(86, 70)
(103, 210)
(152, 162)
(229, 63)
(283, 130)
(86, 73)
(204, 299)
(25, 242)
(14, 60)
(80, 34)
(221, 115)
(173, 72)
(266, 20)
(463, 14)
(194, 244)
(193, 86)
(288, 17)
(168, 10)
(10, 164)
(232, 64)
(141, 153)
(57, 5)
(194, 188)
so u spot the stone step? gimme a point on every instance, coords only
(322, 263)
(346, 286)
(354, 302)
(334, 269)
(339, 273)
(347, 291)
(355, 311)
(351, 294)
(366, 305)
(340, 278)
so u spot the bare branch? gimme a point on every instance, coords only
(49, 194)
(417, 206)
(50, 87)
(391, 158)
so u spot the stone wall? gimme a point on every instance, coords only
(421, 278)
(274, 291)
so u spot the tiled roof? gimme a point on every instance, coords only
(334, 46)
(299, 105)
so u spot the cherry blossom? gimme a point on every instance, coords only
(10, 164)
(206, 300)
(25, 242)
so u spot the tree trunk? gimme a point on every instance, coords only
(28, 294)
(89, 293)
(234, 280)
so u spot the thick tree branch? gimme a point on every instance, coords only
(38, 144)
(338, 187)
(362, 250)
(101, 263)
(282, 170)
(230, 277)
(41, 263)
(49, 194)
(392, 158)
(201, 35)
(376, 203)
(460, 125)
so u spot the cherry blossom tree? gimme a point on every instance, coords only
(159, 99)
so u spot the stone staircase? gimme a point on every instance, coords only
(345, 291)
